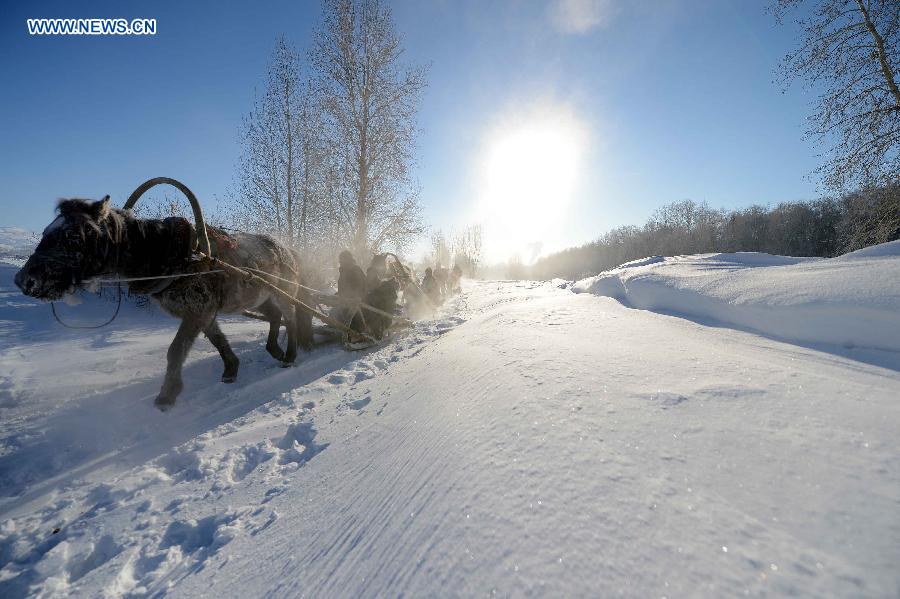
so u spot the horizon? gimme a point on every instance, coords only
(512, 85)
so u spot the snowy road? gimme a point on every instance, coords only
(527, 442)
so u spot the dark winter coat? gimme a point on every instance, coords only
(351, 281)
(431, 287)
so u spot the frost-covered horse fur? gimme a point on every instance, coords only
(90, 239)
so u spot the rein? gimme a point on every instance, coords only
(118, 284)
(175, 276)
(97, 326)
(111, 318)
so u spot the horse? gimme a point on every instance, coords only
(89, 239)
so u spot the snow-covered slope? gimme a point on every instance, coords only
(853, 300)
(16, 244)
(527, 441)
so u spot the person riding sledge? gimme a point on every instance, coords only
(431, 287)
(351, 278)
(351, 286)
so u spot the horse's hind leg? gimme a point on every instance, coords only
(273, 313)
(218, 339)
(289, 314)
(304, 324)
(172, 385)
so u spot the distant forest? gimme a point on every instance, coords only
(825, 227)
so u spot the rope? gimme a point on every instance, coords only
(329, 299)
(75, 326)
(129, 280)
(118, 284)
(250, 277)
(289, 282)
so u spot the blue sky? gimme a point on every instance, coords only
(670, 100)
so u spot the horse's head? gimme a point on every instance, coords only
(74, 247)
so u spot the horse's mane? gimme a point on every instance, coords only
(98, 216)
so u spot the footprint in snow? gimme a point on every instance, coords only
(359, 404)
(203, 537)
(298, 444)
(362, 375)
(273, 493)
(667, 400)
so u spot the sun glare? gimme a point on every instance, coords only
(530, 175)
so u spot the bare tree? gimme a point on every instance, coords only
(467, 249)
(168, 206)
(515, 269)
(280, 174)
(370, 99)
(850, 51)
(441, 253)
(871, 216)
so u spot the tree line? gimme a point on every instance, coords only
(825, 227)
(848, 54)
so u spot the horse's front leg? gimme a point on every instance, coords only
(218, 339)
(172, 385)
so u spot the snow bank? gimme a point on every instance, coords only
(852, 300)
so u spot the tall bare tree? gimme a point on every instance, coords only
(849, 51)
(441, 254)
(467, 249)
(370, 98)
(280, 176)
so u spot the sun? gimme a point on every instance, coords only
(530, 174)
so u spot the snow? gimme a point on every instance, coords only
(852, 300)
(527, 441)
(15, 245)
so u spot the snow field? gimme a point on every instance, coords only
(527, 441)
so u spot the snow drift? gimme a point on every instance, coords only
(852, 300)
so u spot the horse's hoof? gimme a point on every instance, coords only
(164, 403)
(229, 378)
(284, 364)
